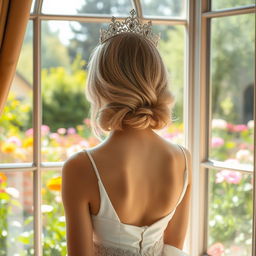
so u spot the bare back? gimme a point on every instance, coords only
(142, 174)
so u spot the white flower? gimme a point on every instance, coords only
(13, 192)
(62, 218)
(243, 155)
(58, 199)
(250, 124)
(46, 208)
(16, 223)
(219, 123)
(73, 149)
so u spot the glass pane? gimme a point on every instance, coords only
(32, 6)
(54, 226)
(219, 4)
(230, 213)
(171, 47)
(16, 119)
(82, 7)
(66, 127)
(16, 213)
(66, 131)
(167, 8)
(232, 78)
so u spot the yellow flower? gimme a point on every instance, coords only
(8, 148)
(43, 191)
(3, 177)
(54, 184)
(28, 142)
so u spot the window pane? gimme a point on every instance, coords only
(32, 6)
(82, 7)
(231, 78)
(230, 213)
(54, 226)
(219, 4)
(171, 47)
(16, 120)
(167, 8)
(16, 213)
(66, 127)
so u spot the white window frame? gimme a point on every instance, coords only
(199, 124)
(196, 114)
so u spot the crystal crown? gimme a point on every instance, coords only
(130, 24)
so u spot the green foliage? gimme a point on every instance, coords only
(16, 115)
(230, 213)
(21, 235)
(63, 99)
(54, 53)
(172, 52)
(232, 62)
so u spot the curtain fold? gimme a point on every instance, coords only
(14, 16)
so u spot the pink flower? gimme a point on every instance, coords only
(240, 128)
(54, 136)
(14, 140)
(87, 121)
(29, 132)
(61, 130)
(71, 130)
(232, 177)
(217, 142)
(230, 127)
(216, 249)
(219, 177)
(45, 129)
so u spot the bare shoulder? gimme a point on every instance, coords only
(76, 172)
(177, 153)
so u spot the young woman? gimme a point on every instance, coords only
(130, 194)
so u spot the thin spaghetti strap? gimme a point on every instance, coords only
(185, 175)
(93, 164)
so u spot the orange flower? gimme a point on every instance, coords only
(8, 148)
(28, 142)
(3, 178)
(54, 184)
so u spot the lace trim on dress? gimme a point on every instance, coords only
(101, 250)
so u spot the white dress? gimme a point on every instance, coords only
(113, 238)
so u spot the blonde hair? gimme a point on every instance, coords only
(127, 85)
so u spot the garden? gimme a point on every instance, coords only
(230, 192)
(66, 129)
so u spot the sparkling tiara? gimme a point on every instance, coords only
(130, 24)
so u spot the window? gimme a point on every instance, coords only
(227, 127)
(208, 49)
(46, 118)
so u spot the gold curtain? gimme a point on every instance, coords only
(14, 16)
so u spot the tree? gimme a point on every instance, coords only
(63, 99)
(86, 35)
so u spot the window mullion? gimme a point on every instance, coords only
(37, 111)
(201, 131)
(254, 171)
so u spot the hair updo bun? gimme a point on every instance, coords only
(127, 85)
